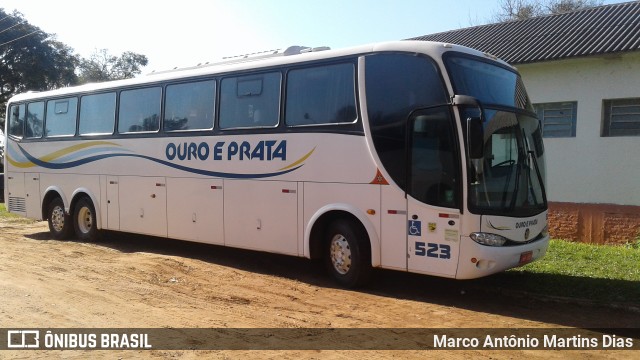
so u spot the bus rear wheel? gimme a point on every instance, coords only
(347, 254)
(84, 221)
(59, 221)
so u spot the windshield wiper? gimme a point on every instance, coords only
(524, 160)
(516, 186)
(539, 175)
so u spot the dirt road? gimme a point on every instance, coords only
(141, 282)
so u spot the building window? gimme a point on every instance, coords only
(558, 119)
(621, 117)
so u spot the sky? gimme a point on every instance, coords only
(188, 32)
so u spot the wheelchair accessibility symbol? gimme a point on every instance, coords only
(415, 228)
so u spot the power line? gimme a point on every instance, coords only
(11, 27)
(6, 17)
(16, 39)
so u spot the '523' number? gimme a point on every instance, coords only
(433, 250)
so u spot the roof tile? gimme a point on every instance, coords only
(594, 31)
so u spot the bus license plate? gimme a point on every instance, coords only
(526, 257)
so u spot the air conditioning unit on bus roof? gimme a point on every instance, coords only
(291, 50)
(227, 60)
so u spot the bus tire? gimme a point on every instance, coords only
(84, 221)
(59, 221)
(347, 253)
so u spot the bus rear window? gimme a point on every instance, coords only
(16, 120)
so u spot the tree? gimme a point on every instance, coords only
(101, 66)
(31, 59)
(563, 6)
(512, 10)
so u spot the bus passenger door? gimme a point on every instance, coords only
(433, 239)
(433, 186)
(113, 205)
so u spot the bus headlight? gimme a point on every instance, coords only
(545, 231)
(488, 239)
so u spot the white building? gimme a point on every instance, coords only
(582, 72)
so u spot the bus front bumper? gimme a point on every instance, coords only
(480, 260)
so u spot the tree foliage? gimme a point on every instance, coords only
(31, 59)
(102, 66)
(563, 6)
(512, 10)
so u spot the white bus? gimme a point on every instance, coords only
(414, 156)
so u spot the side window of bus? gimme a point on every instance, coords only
(16, 120)
(434, 164)
(97, 114)
(396, 85)
(321, 95)
(35, 119)
(140, 110)
(190, 106)
(61, 117)
(250, 101)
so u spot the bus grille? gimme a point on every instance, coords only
(17, 204)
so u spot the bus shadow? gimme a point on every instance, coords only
(45, 235)
(506, 294)
(568, 302)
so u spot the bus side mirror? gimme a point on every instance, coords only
(475, 137)
(475, 133)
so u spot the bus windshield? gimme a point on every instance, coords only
(509, 178)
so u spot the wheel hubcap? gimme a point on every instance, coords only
(57, 218)
(340, 254)
(85, 221)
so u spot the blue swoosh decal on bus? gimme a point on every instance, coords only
(90, 159)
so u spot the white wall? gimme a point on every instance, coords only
(589, 168)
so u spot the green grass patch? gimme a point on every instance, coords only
(6, 215)
(635, 244)
(587, 260)
(597, 273)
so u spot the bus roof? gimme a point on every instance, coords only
(435, 49)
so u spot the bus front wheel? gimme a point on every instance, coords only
(59, 221)
(347, 253)
(84, 222)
